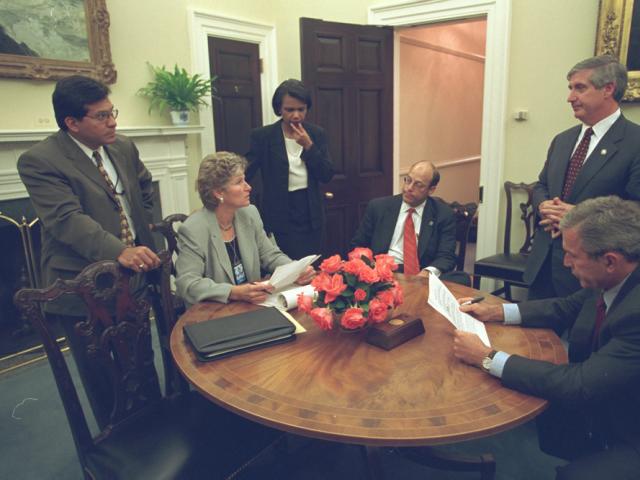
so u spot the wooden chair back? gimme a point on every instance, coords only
(464, 218)
(117, 340)
(527, 215)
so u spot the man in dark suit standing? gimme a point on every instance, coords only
(593, 419)
(599, 157)
(93, 196)
(417, 230)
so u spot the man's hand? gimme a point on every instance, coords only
(301, 136)
(424, 273)
(255, 292)
(552, 212)
(482, 311)
(469, 348)
(306, 276)
(138, 259)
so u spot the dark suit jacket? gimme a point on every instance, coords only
(605, 383)
(613, 168)
(436, 240)
(269, 155)
(78, 211)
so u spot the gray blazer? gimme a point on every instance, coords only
(78, 211)
(203, 267)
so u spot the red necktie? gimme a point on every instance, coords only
(601, 314)
(577, 159)
(409, 247)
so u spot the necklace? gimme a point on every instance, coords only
(225, 228)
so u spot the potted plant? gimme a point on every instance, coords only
(178, 91)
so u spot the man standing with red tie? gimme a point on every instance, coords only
(599, 157)
(417, 230)
(593, 419)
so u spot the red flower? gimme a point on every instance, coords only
(358, 252)
(378, 311)
(354, 266)
(386, 259)
(323, 318)
(359, 294)
(305, 303)
(387, 297)
(332, 264)
(368, 275)
(352, 318)
(398, 297)
(335, 288)
(321, 282)
(385, 271)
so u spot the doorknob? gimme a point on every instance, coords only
(236, 88)
(328, 195)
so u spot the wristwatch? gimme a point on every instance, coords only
(486, 361)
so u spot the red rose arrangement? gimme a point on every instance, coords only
(353, 293)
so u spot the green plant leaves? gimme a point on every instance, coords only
(177, 89)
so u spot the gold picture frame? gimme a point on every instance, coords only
(99, 65)
(616, 22)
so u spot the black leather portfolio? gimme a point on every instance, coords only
(221, 337)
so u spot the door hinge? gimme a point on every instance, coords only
(480, 193)
(261, 65)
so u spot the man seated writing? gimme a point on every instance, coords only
(593, 419)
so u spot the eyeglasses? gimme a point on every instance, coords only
(408, 181)
(104, 115)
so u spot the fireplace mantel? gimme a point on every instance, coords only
(163, 150)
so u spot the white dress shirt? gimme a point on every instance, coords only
(599, 131)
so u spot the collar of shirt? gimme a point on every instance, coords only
(405, 208)
(86, 150)
(602, 127)
(610, 295)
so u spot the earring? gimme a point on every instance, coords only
(221, 199)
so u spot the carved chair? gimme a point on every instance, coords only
(509, 267)
(464, 218)
(149, 435)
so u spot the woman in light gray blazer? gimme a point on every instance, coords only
(223, 246)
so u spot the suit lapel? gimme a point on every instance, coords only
(219, 246)
(118, 161)
(83, 163)
(426, 227)
(560, 163)
(605, 150)
(389, 220)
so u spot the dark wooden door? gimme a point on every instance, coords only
(237, 105)
(349, 69)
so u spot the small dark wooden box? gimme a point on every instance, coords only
(395, 331)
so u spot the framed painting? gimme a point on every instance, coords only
(51, 39)
(619, 35)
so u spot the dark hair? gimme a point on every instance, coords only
(293, 88)
(72, 95)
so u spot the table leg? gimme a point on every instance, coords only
(485, 464)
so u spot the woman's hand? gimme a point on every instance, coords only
(255, 292)
(306, 276)
(301, 136)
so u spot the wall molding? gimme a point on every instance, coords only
(202, 25)
(439, 48)
(494, 116)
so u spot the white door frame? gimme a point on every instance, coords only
(399, 13)
(203, 25)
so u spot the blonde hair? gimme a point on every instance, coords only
(215, 172)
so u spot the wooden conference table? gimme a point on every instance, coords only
(335, 386)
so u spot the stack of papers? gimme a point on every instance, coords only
(441, 298)
(285, 275)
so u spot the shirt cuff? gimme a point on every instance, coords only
(497, 363)
(434, 270)
(511, 314)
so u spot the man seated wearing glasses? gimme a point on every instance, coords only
(417, 230)
(93, 196)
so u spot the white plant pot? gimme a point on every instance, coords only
(180, 117)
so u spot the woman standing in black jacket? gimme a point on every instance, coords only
(293, 157)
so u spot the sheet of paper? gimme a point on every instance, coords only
(299, 327)
(287, 274)
(287, 299)
(446, 304)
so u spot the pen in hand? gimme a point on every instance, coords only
(473, 300)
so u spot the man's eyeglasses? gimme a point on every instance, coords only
(408, 181)
(104, 115)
